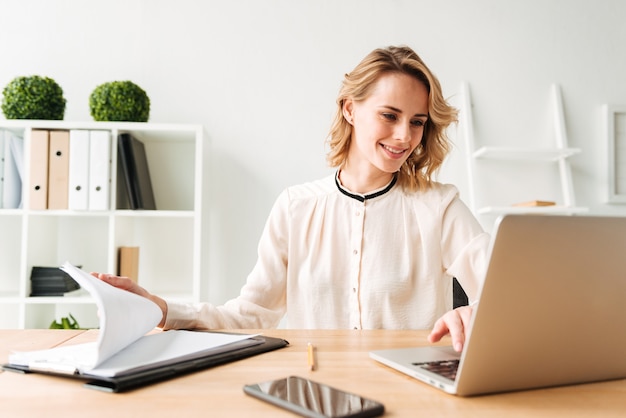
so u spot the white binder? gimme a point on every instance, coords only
(99, 169)
(79, 170)
(13, 171)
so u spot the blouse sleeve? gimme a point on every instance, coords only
(464, 245)
(261, 303)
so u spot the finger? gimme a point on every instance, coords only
(451, 323)
(456, 328)
(466, 317)
(117, 281)
(440, 329)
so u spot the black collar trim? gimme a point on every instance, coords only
(363, 198)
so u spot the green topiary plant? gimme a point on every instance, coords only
(119, 101)
(33, 97)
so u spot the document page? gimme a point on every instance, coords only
(169, 347)
(123, 346)
(124, 317)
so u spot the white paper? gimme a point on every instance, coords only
(122, 346)
(124, 316)
(164, 347)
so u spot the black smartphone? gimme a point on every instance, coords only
(312, 399)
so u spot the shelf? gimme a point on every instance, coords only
(559, 154)
(59, 300)
(11, 212)
(101, 214)
(9, 297)
(168, 238)
(69, 213)
(160, 130)
(155, 213)
(79, 297)
(502, 210)
(524, 154)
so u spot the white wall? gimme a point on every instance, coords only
(261, 76)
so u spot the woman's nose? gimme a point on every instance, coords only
(402, 132)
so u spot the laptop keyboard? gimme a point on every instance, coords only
(445, 368)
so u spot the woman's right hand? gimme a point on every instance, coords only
(456, 323)
(129, 285)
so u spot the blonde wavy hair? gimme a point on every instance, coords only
(417, 171)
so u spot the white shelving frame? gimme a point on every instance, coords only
(559, 154)
(169, 237)
(616, 152)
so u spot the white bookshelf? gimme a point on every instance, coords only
(557, 153)
(169, 237)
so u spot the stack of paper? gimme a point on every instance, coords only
(123, 346)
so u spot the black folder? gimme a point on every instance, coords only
(135, 379)
(136, 174)
(129, 355)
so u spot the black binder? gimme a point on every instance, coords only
(135, 379)
(136, 175)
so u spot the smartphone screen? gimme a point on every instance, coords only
(312, 399)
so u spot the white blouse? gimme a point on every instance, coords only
(328, 258)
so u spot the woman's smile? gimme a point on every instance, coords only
(394, 152)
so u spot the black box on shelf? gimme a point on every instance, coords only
(51, 281)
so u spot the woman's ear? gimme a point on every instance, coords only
(348, 110)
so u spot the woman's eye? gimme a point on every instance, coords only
(417, 122)
(389, 116)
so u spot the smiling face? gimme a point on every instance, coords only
(387, 127)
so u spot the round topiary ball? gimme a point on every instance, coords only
(119, 101)
(33, 97)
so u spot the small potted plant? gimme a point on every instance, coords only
(119, 101)
(67, 322)
(33, 97)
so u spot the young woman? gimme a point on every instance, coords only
(376, 244)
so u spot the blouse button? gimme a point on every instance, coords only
(355, 252)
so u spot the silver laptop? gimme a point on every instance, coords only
(552, 311)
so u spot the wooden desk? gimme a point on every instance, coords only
(342, 359)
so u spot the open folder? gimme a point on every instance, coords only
(125, 356)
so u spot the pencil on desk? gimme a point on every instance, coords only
(311, 356)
